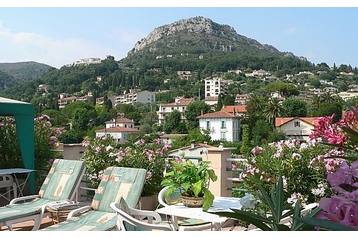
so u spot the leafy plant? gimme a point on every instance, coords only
(191, 179)
(278, 210)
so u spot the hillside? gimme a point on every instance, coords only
(25, 70)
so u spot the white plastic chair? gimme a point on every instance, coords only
(185, 224)
(127, 221)
(7, 181)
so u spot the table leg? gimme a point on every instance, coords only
(22, 185)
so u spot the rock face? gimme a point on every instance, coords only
(200, 31)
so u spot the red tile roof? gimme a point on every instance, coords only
(279, 121)
(219, 114)
(236, 109)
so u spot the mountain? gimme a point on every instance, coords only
(12, 74)
(25, 70)
(198, 36)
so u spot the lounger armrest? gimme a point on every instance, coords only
(21, 199)
(150, 215)
(77, 211)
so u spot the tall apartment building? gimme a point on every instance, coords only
(215, 86)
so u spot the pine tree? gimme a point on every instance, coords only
(219, 105)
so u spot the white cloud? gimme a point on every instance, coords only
(30, 46)
(291, 31)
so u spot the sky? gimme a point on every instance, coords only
(63, 32)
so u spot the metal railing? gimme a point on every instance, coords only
(236, 171)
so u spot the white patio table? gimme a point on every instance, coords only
(219, 204)
(13, 172)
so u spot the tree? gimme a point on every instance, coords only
(327, 109)
(125, 109)
(261, 132)
(245, 145)
(284, 89)
(274, 109)
(229, 100)
(148, 121)
(219, 105)
(193, 110)
(293, 107)
(172, 122)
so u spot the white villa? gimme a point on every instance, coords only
(222, 125)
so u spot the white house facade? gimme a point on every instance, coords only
(179, 104)
(122, 122)
(298, 128)
(118, 133)
(222, 125)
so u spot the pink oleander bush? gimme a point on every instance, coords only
(45, 141)
(103, 152)
(342, 206)
(302, 165)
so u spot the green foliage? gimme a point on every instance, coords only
(294, 107)
(191, 179)
(229, 100)
(197, 135)
(45, 138)
(327, 109)
(285, 89)
(219, 105)
(245, 145)
(193, 110)
(172, 122)
(261, 132)
(270, 219)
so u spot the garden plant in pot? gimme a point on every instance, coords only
(192, 180)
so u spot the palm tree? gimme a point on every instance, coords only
(274, 109)
(316, 101)
(328, 98)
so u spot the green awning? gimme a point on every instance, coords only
(24, 118)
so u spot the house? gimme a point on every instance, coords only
(241, 98)
(211, 101)
(179, 104)
(193, 151)
(222, 125)
(168, 138)
(296, 127)
(119, 133)
(237, 110)
(122, 122)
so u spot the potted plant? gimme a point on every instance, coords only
(192, 180)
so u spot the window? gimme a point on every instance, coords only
(223, 136)
(297, 124)
(223, 125)
(208, 125)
